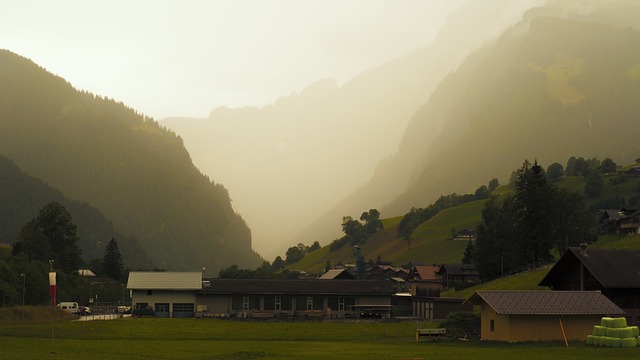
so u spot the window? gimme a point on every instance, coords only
(245, 303)
(492, 325)
(341, 303)
(149, 292)
(236, 303)
(309, 303)
(272, 303)
(162, 307)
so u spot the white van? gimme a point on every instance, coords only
(69, 306)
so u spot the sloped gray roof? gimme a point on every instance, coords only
(148, 280)
(613, 268)
(336, 274)
(507, 302)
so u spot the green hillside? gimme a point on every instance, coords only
(135, 172)
(431, 242)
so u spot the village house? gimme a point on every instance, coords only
(614, 272)
(425, 281)
(458, 276)
(625, 221)
(464, 234)
(517, 316)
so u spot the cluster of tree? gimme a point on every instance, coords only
(521, 230)
(416, 216)
(50, 241)
(357, 232)
(592, 170)
(295, 254)
(264, 271)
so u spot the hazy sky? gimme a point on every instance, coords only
(184, 58)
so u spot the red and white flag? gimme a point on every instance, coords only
(52, 287)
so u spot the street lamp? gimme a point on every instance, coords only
(23, 287)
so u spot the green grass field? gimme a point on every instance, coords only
(208, 339)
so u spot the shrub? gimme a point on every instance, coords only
(462, 325)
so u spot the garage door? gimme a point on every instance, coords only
(183, 310)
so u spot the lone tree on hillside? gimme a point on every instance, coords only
(51, 236)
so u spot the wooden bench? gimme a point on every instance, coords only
(430, 333)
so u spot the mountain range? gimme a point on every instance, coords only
(298, 157)
(500, 83)
(560, 79)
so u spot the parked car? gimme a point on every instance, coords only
(69, 306)
(84, 310)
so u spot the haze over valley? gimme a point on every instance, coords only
(242, 128)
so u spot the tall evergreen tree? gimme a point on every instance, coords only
(533, 213)
(112, 264)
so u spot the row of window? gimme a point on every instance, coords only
(164, 307)
(286, 303)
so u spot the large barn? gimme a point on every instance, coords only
(187, 294)
(517, 316)
(614, 272)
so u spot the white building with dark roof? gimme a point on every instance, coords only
(164, 294)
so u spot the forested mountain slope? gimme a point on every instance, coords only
(138, 174)
(550, 88)
(23, 196)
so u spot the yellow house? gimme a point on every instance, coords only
(517, 316)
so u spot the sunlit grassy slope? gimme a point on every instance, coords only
(431, 242)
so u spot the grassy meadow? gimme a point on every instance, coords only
(209, 339)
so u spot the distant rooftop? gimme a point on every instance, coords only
(148, 280)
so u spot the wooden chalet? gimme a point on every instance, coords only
(517, 316)
(424, 281)
(464, 234)
(614, 272)
(458, 275)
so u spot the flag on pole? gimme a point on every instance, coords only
(52, 287)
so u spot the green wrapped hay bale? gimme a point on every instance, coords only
(619, 322)
(616, 343)
(596, 340)
(629, 342)
(635, 331)
(620, 333)
(626, 332)
(608, 341)
(590, 339)
(599, 330)
(606, 322)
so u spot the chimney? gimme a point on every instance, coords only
(583, 249)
